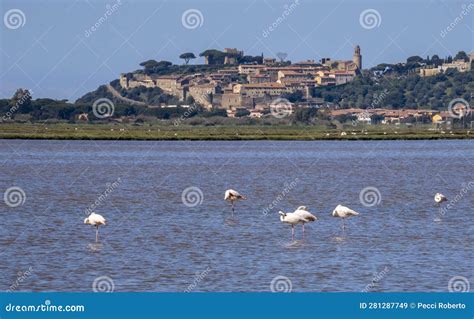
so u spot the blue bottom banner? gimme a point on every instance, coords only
(237, 305)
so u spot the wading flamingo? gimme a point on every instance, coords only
(95, 220)
(343, 212)
(292, 219)
(232, 196)
(306, 216)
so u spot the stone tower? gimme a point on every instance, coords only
(357, 59)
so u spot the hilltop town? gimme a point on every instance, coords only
(252, 87)
(231, 87)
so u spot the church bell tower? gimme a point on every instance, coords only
(357, 59)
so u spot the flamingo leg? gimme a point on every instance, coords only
(343, 225)
(303, 231)
(233, 209)
(96, 233)
(292, 232)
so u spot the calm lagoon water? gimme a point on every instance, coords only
(154, 242)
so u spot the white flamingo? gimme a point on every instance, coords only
(440, 198)
(95, 220)
(306, 216)
(232, 196)
(292, 219)
(343, 212)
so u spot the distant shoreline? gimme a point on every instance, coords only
(235, 140)
(108, 132)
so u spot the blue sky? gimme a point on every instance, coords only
(51, 49)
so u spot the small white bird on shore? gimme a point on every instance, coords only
(95, 220)
(233, 196)
(306, 216)
(440, 198)
(343, 212)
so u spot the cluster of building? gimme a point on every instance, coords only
(460, 65)
(251, 86)
(387, 116)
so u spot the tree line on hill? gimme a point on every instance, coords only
(214, 57)
(401, 91)
(415, 62)
(22, 108)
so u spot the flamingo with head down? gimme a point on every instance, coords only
(95, 220)
(343, 212)
(232, 196)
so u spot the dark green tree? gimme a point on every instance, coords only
(152, 66)
(241, 113)
(187, 57)
(296, 96)
(21, 101)
(149, 64)
(213, 56)
(304, 115)
(415, 59)
(436, 61)
(461, 55)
